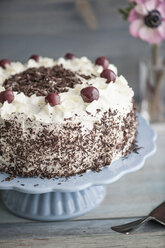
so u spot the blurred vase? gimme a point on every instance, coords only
(152, 92)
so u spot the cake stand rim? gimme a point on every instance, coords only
(95, 179)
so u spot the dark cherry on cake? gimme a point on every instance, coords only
(35, 57)
(103, 61)
(109, 75)
(6, 95)
(4, 62)
(89, 94)
(69, 56)
(53, 99)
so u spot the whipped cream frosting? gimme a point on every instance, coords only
(115, 96)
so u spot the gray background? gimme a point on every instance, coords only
(52, 28)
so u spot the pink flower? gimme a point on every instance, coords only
(147, 20)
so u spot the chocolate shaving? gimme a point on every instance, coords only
(35, 185)
(9, 178)
(136, 148)
(42, 80)
(87, 77)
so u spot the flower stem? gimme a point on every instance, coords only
(158, 76)
(155, 54)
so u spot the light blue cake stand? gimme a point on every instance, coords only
(60, 199)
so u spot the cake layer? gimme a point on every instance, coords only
(65, 149)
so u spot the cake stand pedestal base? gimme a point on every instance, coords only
(53, 205)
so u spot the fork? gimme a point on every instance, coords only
(158, 214)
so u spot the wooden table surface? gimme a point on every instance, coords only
(132, 197)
